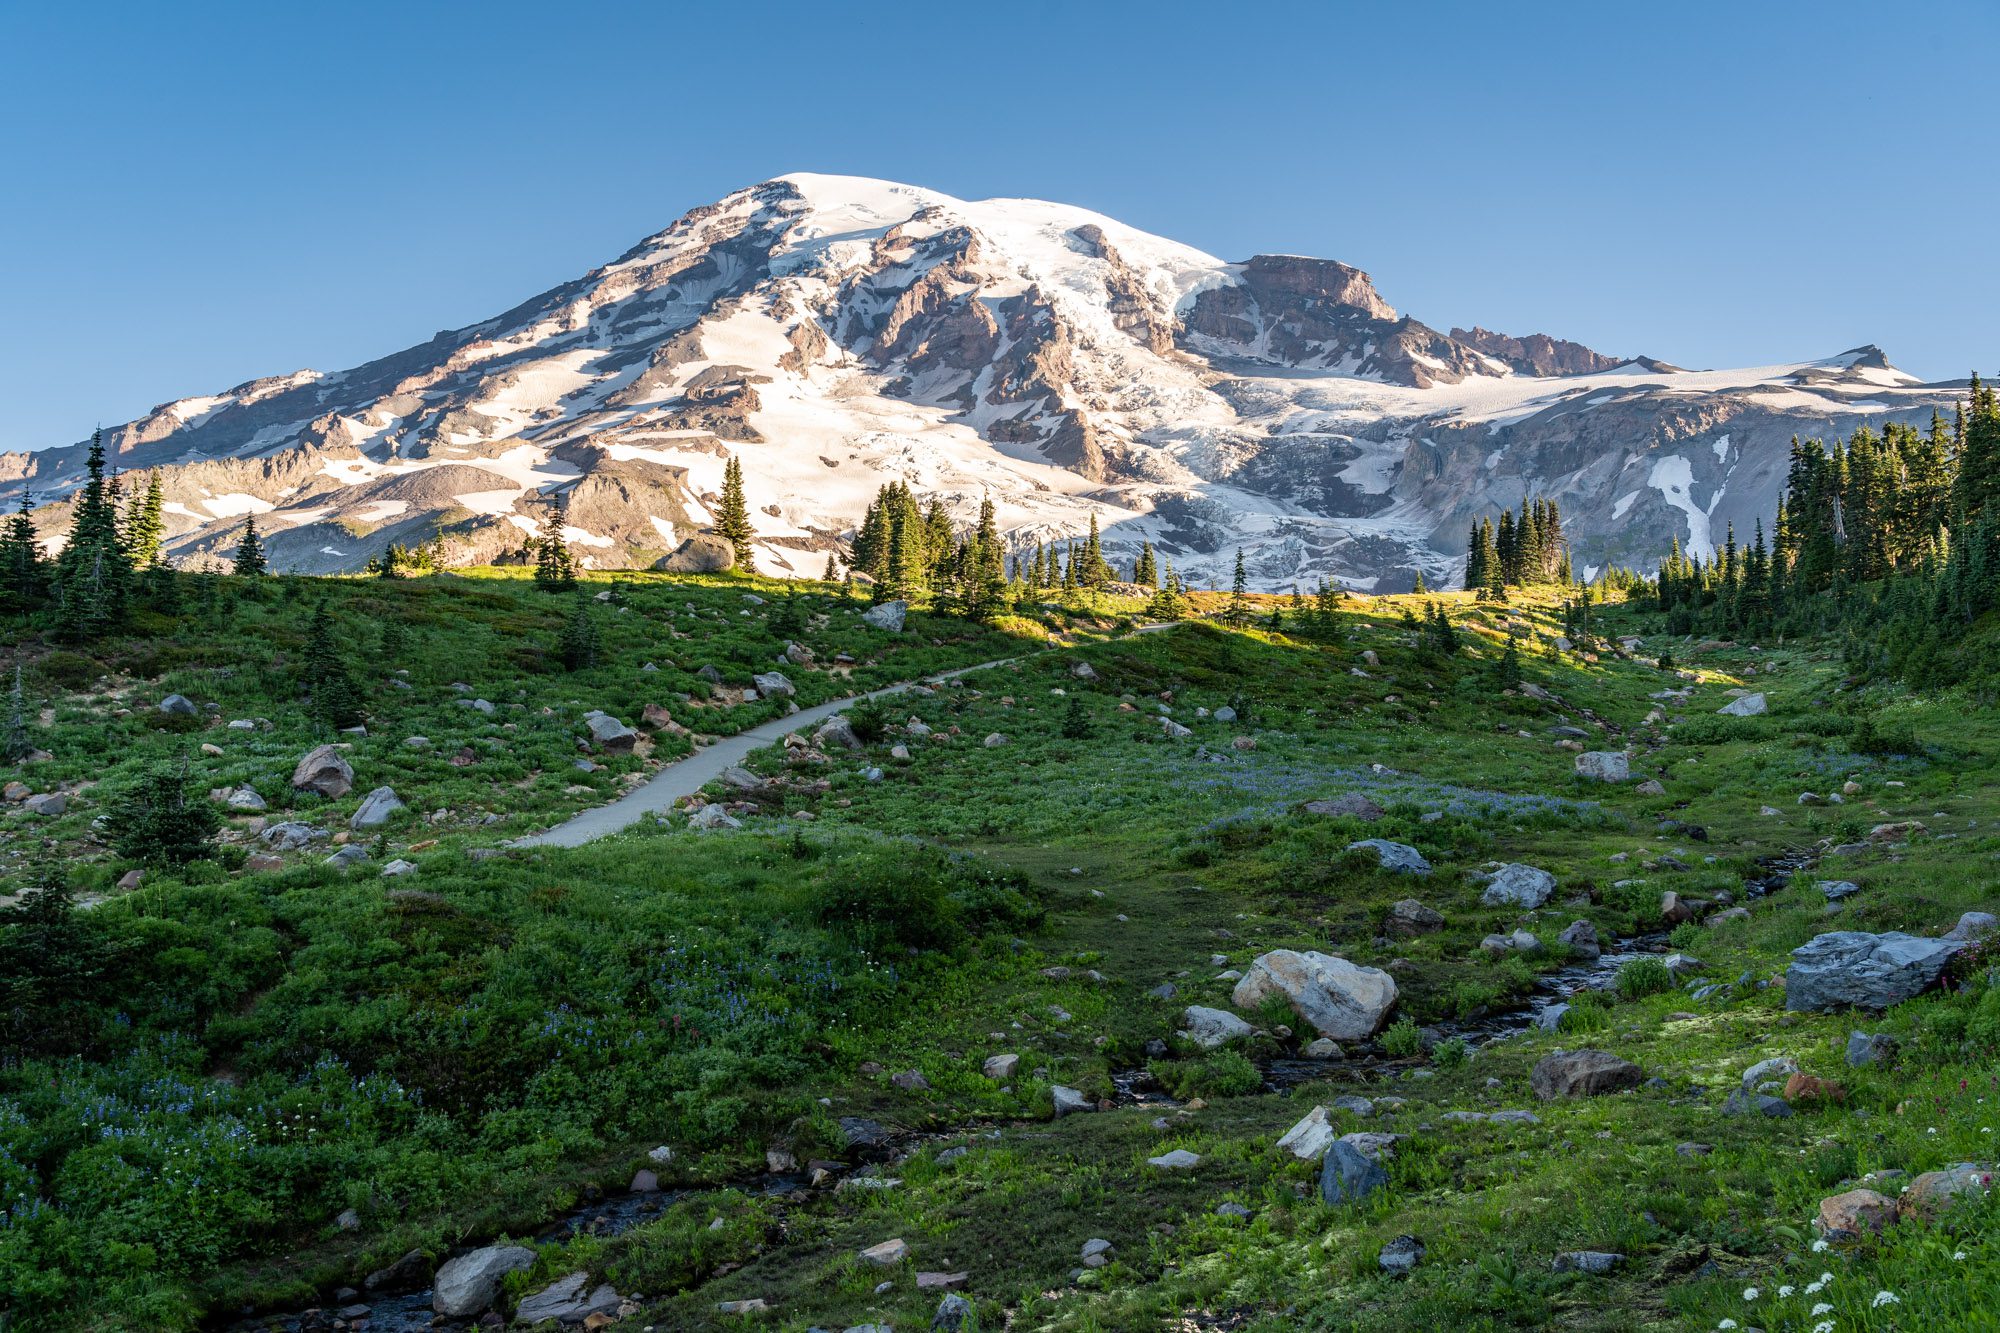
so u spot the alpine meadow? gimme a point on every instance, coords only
(893, 760)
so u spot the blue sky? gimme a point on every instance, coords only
(194, 195)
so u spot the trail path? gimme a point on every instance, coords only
(697, 770)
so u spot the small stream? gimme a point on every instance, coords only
(409, 1311)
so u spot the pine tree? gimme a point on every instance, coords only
(16, 744)
(249, 551)
(555, 567)
(160, 819)
(1420, 588)
(331, 696)
(93, 573)
(1475, 559)
(145, 525)
(580, 644)
(832, 572)
(985, 579)
(732, 517)
(1169, 603)
(23, 575)
(1146, 570)
(1238, 611)
(904, 577)
(1095, 573)
(1075, 721)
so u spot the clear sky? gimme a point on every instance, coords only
(192, 195)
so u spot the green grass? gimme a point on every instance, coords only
(946, 901)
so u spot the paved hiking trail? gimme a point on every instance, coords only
(691, 774)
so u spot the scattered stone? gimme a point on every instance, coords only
(179, 705)
(1836, 889)
(1776, 1067)
(1324, 1048)
(467, 1285)
(1594, 1262)
(1394, 856)
(1400, 1257)
(291, 835)
(1580, 937)
(1604, 766)
(376, 808)
(1210, 1028)
(1523, 886)
(713, 817)
(1351, 805)
(398, 868)
(1000, 1067)
(1750, 705)
(1650, 787)
(1309, 1139)
(1410, 917)
(886, 616)
(1180, 1159)
(48, 805)
(324, 770)
(953, 1314)
(1347, 1176)
(1972, 927)
(1851, 967)
(752, 1305)
(1097, 1253)
(1582, 1074)
(610, 735)
(1934, 1191)
(1809, 1088)
(1339, 999)
(567, 1301)
(887, 1254)
(1068, 1100)
(1857, 1213)
(1745, 1102)
(1867, 1048)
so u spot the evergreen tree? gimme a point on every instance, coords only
(332, 698)
(161, 820)
(1420, 588)
(249, 551)
(1095, 573)
(1238, 611)
(16, 744)
(832, 572)
(1146, 570)
(145, 524)
(580, 644)
(555, 567)
(93, 573)
(985, 580)
(732, 516)
(1977, 488)
(23, 575)
(1169, 603)
(1075, 721)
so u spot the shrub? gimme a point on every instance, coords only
(1402, 1038)
(1644, 976)
(1686, 936)
(1219, 1074)
(156, 820)
(1450, 1053)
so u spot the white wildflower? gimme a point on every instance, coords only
(1883, 1298)
(1750, 1293)
(1819, 1309)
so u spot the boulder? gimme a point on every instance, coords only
(1180, 1159)
(1853, 968)
(1595, 1262)
(291, 835)
(713, 817)
(887, 1254)
(1409, 917)
(324, 770)
(1934, 1191)
(376, 808)
(351, 855)
(1651, 787)
(1750, 705)
(1400, 1257)
(995, 740)
(1867, 1048)
(1523, 886)
(1582, 1074)
(1399, 857)
(703, 553)
(244, 798)
(1604, 766)
(397, 868)
(610, 735)
(1210, 1028)
(1339, 999)
(1352, 804)
(1097, 1252)
(1836, 889)
(1069, 1100)
(1858, 1212)
(179, 705)
(1000, 1067)
(1973, 926)
(466, 1285)
(773, 685)
(1309, 1139)
(837, 730)
(954, 1314)
(886, 616)
(1581, 939)
(48, 805)
(568, 1300)
(1346, 1176)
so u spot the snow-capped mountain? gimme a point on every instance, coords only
(835, 333)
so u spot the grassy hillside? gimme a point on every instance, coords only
(466, 1053)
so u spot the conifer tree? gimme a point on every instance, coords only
(832, 571)
(15, 743)
(580, 644)
(145, 526)
(249, 551)
(732, 516)
(1238, 611)
(331, 696)
(93, 573)
(1146, 570)
(1420, 588)
(1169, 603)
(23, 575)
(555, 567)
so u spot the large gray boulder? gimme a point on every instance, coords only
(1604, 766)
(1518, 886)
(773, 685)
(1853, 968)
(291, 835)
(1397, 856)
(888, 616)
(1348, 1177)
(1750, 705)
(324, 770)
(376, 808)
(837, 730)
(1210, 1028)
(569, 1300)
(1582, 1074)
(178, 705)
(466, 1286)
(610, 735)
(1339, 999)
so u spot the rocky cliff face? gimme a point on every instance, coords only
(835, 333)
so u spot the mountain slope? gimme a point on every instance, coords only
(837, 332)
